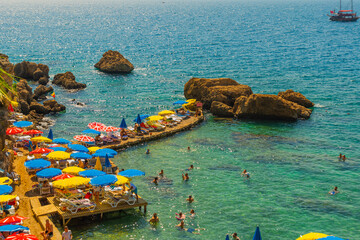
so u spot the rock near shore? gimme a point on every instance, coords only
(41, 91)
(296, 97)
(114, 62)
(67, 80)
(31, 70)
(5, 64)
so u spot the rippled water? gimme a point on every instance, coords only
(271, 46)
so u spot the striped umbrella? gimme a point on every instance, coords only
(84, 138)
(13, 131)
(110, 129)
(33, 132)
(96, 126)
(21, 236)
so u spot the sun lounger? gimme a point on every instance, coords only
(75, 205)
(116, 200)
(69, 194)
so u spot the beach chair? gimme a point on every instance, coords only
(16, 178)
(114, 201)
(70, 195)
(75, 205)
(45, 190)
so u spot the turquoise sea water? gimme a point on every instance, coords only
(271, 46)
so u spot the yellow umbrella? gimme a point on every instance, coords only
(73, 170)
(155, 118)
(6, 198)
(5, 181)
(14, 104)
(312, 236)
(41, 139)
(70, 182)
(98, 165)
(58, 155)
(122, 180)
(93, 149)
(191, 101)
(166, 112)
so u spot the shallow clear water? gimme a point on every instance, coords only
(269, 46)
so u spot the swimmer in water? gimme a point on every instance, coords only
(245, 174)
(180, 216)
(161, 173)
(185, 177)
(343, 158)
(188, 148)
(148, 151)
(192, 212)
(190, 199)
(154, 219)
(181, 226)
(235, 236)
(340, 157)
(334, 191)
(156, 180)
(191, 167)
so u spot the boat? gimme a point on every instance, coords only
(344, 15)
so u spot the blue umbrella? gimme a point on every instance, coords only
(227, 237)
(78, 147)
(13, 228)
(37, 164)
(102, 154)
(51, 135)
(330, 238)
(92, 131)
(138, 119)
(181, 102)
(107, 151)
(81, 155)
(257, 235)
(61, 141)
(123, 123)
(22, 124)
(142, 117)
(58, 149)
(49, 173)
(5, 189)
(103, 180)
(107, 161)
(91, 173)
(131, 173)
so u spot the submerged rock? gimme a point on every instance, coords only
(296, 97)
(54, 106)
(67, 80)
(221, 109)
(114, 62)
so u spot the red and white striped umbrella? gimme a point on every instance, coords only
(110, 129)
(33, 132)
(13, 131)
(97, 126)
(84, 138)
(12, 220)
(21, 236)
(41, 151)
(63, 176)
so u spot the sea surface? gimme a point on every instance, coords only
(269, 45)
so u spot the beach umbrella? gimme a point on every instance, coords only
(181, 102)
(58, 155)
(107, 151)
(62, 149)
(84, 138)
(312, 236)
(78, 147)
(6, 198)
(12, 220)
(91, 131)
(123, 123)
(166, 112)
(121, 180)
(32, 132)
(131, 173)
(37, 164)
(110, 129)
(63, 176)
(142, 117)
(21, 236)
(103, 180)
(13, 228)
(107, 161)
(14, 131)
(191, 101)
(102, 154)
(138, 119)
(96, 126)
(73, 170)
(41, 151)
(5, 181)
(22, 124)
(49, 173)
(257, 235)
(61, 141)
(98, 165)
(80, 155)
(93, 149)
(41, 139)
(155, 118)
(51, 135)
(330, 238)
(70, 182)
(91, 173)
(5, 189)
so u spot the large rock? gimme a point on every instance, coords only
(41, 91)
(296, 97)
(31, 70)
(5, 64)
(263, 106)
(25, 91)
(224, 90)
(39, 108)
(67, 80)
(221, 109)
(43, 81)
(114, 62)
(54, 106)
(24, 107)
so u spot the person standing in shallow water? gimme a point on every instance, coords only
(235, 236)
(185, 177)
(148, 151)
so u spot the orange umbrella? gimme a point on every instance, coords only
(97, 126)
(63, 176)
(110, 129)
(12, 220)
(84, 138)
(21, 236)
(41, 151)
(13, 131)
(33, 132)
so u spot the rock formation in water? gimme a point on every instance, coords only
(67, 80)
(296, 97)
(221, 109)
(41, 91)
(114, 62)
(31, 70)
(5, 64)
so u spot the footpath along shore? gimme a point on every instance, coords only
(25, 189)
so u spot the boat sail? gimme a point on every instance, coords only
(344, 15)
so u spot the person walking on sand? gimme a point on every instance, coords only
(66, 235)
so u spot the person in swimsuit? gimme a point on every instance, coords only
(245, 174)
(180, 216)
(148, 151)
(340, 157)
(343, 158)
(334, 191)
(185, 177)
(48, 230)
(156, 180)
(235, 236)
(192, 212)
(154, 219)
(181, 225)
(161, 173)
(190, 199)
(191, 167)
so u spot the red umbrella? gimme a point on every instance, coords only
(12, 220)
(110, 129)
(33, 132)
(21, 236)
(41, 151)
(13, 131)
(84, 138)
(63, 176)
(96, 126)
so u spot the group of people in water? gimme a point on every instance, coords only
(342, 157)
(335, 190)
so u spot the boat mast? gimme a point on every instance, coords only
(340, 4)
